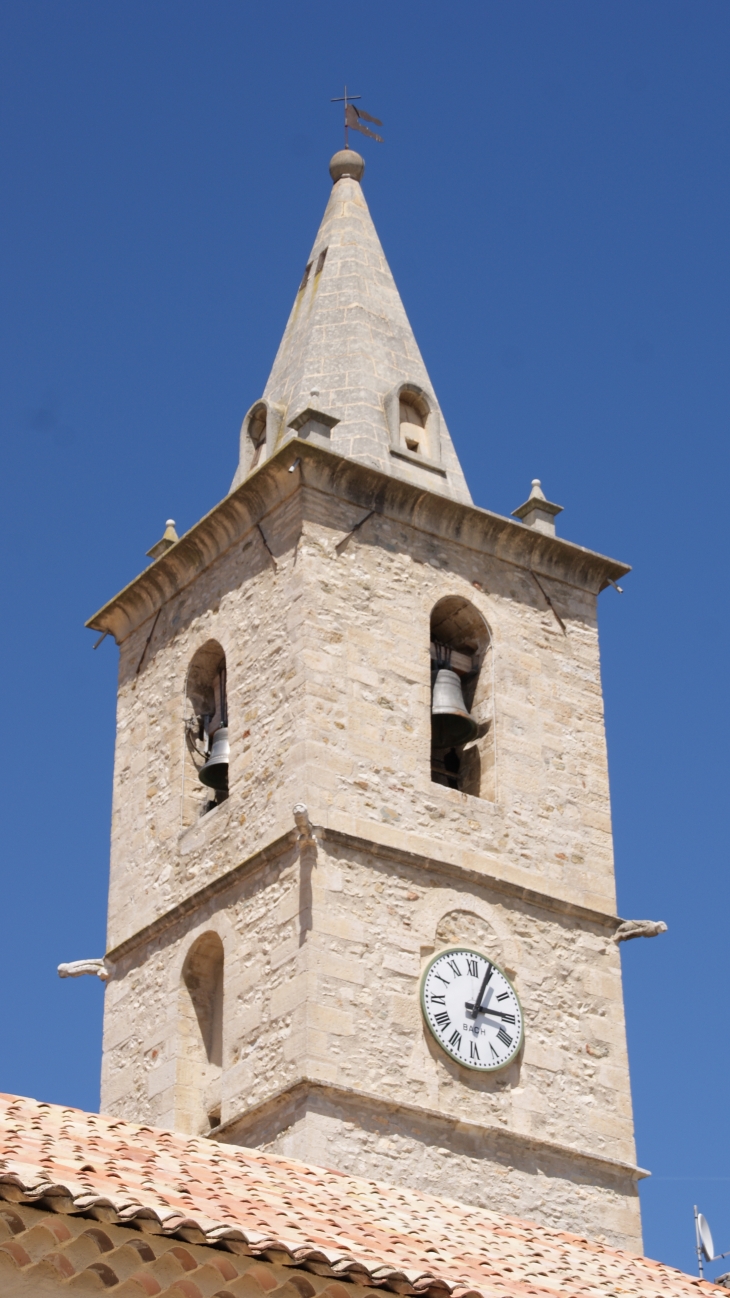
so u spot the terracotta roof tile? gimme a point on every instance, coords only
(256, 1203)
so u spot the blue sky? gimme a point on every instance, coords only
(553, 198)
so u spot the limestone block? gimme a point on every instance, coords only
(347, 927)
(326, 1018)
(404, 1011)
(161, 1078)
(322, 1070)
(341, 968)
(403, 963)
(287, 996)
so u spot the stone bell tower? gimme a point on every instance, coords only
(267, 936)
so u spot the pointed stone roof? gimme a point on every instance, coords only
(348, 373)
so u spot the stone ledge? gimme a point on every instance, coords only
(323, 471)
(420, 461)
(269, 852)
(277, 846)
(378, 836)
(306, 1084)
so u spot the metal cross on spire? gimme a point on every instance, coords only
(353, 115)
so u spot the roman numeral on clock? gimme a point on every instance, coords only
(472, 967)
(443, 1019)
(441, 1000)
(504, 1037)
(503, 996)
(473, 1052)
(508, 1018)
(493, 1052)
(455, 968)
(455, 1040)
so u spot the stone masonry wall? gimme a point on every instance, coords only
(365, 651)
(329, 696)
(323, 956)
(327, 646)
(472, 1166)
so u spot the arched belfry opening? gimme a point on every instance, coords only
(462, 726)
(206, 725)
(200, 1037)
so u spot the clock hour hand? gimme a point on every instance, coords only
(475, 1008)
(487, 1009)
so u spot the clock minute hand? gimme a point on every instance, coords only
(486, 1009)
(475, 1008)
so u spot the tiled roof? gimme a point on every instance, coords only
(255, 1203)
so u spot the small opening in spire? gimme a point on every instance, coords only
(305, 276)
(412, 422)
(321, 261)
(257, 434)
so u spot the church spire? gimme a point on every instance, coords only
(348, 373)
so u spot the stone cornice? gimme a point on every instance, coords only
(323, 471)
(268, 853)
(357, 1094)
(512, 888)
(285, 842)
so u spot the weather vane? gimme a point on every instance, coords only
(353, 116)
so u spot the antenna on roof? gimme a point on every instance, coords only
(704, 1242)
(353, 116)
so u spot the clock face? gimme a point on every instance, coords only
(472, 1009)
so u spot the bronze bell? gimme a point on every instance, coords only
(451, 723)
(215, 771)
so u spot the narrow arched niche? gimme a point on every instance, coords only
(413, 421)
(460, 639)
(206, 715)
(200, 1037)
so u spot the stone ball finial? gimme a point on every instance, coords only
(168, 538)
(347, 163)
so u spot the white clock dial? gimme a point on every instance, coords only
(472, 1009)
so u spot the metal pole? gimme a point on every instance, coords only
(347, 99)
(698, 1245)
